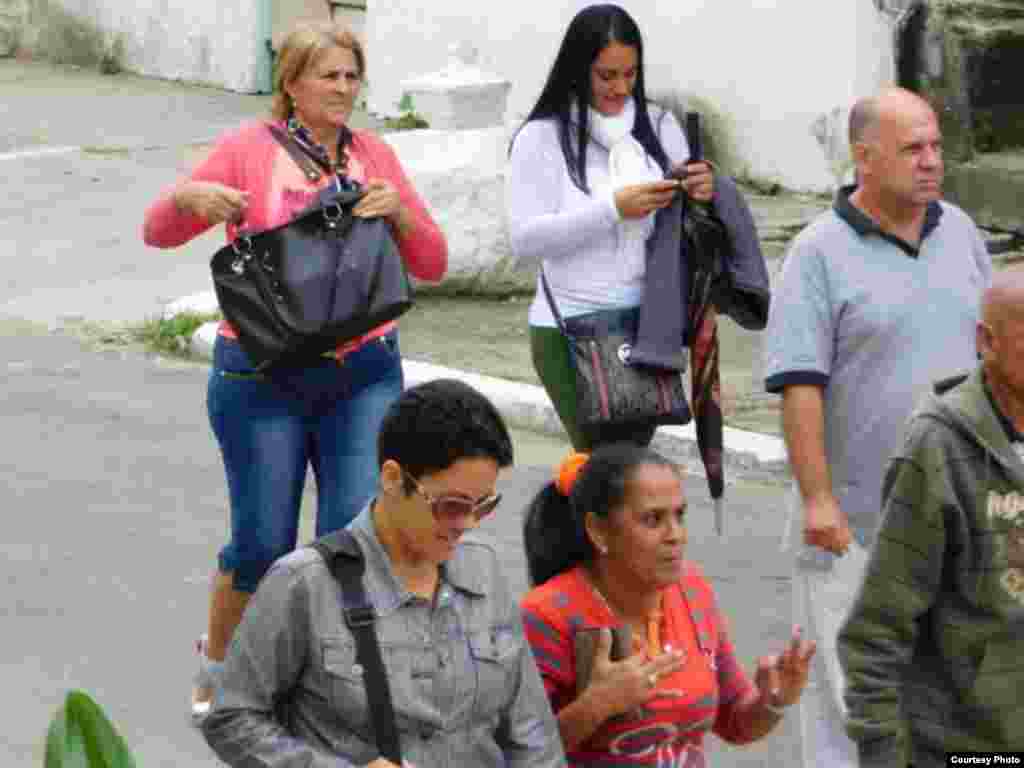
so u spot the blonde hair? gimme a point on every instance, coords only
(301, 49)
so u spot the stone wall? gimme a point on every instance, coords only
(461, 177)
(13, 15)
(966, 56)
(769, 68)
(219, 43)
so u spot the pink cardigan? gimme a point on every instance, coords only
(251, 160)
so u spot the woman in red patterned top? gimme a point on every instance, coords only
(604, 545)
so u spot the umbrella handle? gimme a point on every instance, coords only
(693, 137)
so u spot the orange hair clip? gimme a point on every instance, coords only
(568, 471)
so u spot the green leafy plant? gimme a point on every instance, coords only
(81, 736)
(171, 335)
(409, 120)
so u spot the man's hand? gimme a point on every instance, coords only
(826, 526)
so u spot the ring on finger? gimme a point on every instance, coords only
(652, 679)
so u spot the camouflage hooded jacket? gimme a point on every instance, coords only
(933, 649)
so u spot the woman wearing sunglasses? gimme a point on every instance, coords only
(462, 679)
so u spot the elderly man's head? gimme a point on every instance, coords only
(897, 147)
(1001, 333)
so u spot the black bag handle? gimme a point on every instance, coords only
(693, 137)
(551, 301)
(306, 164)
(344, 559)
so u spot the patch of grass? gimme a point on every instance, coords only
(410, 121)
(94, 149)
(171, 336)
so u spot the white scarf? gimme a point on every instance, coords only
(628, 162)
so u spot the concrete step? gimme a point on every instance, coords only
(990, 189)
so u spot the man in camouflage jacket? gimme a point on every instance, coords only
(933, 650)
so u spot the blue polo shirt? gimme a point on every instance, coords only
(874, 321)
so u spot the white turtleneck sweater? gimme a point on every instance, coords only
(592, 258)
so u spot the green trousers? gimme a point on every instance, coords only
(551, 359)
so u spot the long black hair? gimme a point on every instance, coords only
(589, 33)
(554, 535)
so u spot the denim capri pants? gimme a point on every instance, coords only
(271, 427)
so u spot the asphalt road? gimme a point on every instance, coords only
(113, 490)
(116, 505)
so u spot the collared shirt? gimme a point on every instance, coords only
(463, 682)
(873, 322)
(864, 225)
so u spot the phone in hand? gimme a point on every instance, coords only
(585, 648)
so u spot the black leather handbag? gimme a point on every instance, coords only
(299, 290)
(296, 291)
(609, 389)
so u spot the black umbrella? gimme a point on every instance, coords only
(707, 241)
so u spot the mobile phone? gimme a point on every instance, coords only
(585, 648)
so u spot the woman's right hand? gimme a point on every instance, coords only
(632, 682)
(638, 200)
(211, 201)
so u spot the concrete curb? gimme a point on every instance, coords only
(526, 406)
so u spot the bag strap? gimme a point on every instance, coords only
(306, 164)
(344, 559)
(551, 301)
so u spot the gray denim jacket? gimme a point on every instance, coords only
(463, 681)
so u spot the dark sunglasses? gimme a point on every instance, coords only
(448, 508)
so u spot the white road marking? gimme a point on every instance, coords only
(22, 154)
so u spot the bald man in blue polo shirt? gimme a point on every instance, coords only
(877, 299)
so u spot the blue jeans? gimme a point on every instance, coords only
(270, 428)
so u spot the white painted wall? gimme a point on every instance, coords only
(217, 42)
(773, 66)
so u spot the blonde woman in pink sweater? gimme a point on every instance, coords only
(326, 415)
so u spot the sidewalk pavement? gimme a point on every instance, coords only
(527, 406)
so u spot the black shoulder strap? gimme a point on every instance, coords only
(344, 559)
(551, 300)
(306, 164)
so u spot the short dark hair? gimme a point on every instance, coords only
(433, 425)
(590, 32)
(554, 534)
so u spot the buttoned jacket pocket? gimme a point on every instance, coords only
(346, 686)
(494, 652)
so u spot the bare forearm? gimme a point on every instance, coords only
(803, 424)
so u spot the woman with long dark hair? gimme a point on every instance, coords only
(587, 175)
(627, 635)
